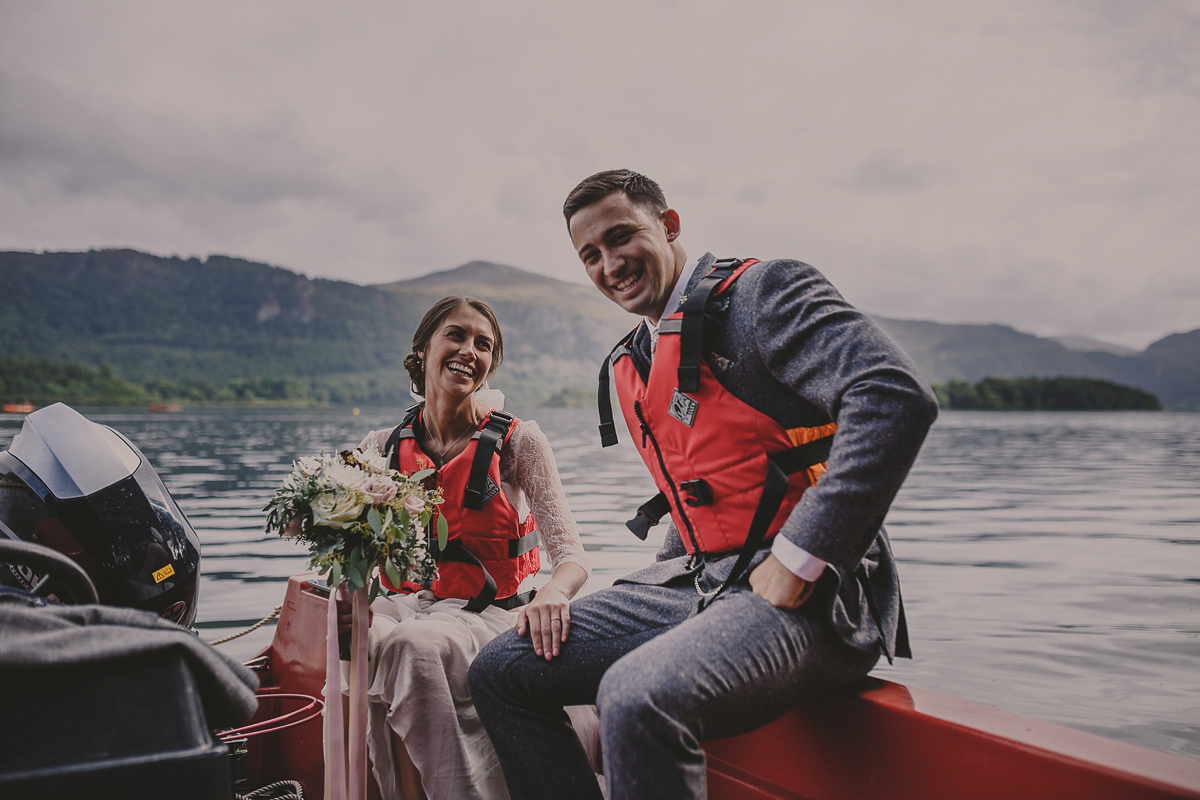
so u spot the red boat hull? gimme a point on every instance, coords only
(886, 740)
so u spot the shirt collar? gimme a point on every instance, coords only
(680, 283)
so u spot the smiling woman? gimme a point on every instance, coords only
(496, 475)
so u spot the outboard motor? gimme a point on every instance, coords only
(83, 489)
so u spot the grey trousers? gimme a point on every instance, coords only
(663, 678)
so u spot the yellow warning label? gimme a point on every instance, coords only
(164, 573)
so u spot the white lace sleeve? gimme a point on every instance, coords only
(527, 462)
(374, 441)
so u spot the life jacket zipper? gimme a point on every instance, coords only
(647, 433)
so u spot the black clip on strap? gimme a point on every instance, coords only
(648, 515)
(691, 333)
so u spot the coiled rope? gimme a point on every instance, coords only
(270, 792)
(252, 628)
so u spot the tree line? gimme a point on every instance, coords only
(1044, 394)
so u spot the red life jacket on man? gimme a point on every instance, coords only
(490, 549)
(728, 474)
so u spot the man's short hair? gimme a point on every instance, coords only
(637, 187)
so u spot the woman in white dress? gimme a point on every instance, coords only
(424, 737)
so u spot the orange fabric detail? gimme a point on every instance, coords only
(799, 436)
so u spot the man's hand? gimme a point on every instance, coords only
(547, 620)
(779, 586)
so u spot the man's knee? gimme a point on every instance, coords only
(489, 665)
(625, 695)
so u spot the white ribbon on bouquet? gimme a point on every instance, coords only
(346, 779)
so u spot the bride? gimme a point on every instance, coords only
(498, 476)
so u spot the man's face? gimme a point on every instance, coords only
(627, 252)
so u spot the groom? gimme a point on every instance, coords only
(778, 423)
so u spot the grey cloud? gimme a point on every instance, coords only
(889, 171)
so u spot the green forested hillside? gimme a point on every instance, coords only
(210, 329)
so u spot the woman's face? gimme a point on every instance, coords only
(458, 357)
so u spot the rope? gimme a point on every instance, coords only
(269, 791)
(253, 627)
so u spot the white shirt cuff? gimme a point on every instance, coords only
(801, 562)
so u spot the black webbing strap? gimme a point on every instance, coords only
(608, 430)
(774, 490)
(403, 431)
(790, 461)
(456, 551)
(522, 545)
(516, 600)
(648, 515)
(691, 335)
(491, 439)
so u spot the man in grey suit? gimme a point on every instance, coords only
(709, 642)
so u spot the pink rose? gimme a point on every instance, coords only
(381, 490)
(414, 505)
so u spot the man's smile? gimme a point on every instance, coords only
(629, 281)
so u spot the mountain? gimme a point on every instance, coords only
(1086, 344)
(222, 320)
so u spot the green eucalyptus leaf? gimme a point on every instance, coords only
(404, 520)
(443, 532)
(420, 475)
(387, 521)
(354, 577)
(393, 573)
(376, 589)
(375, 522)
(335, 574)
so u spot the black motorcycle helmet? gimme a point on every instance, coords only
(83, 489)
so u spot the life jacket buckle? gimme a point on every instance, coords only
(699, 493)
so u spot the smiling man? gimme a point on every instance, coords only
(778, 423)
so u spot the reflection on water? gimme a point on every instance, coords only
(1050, 562)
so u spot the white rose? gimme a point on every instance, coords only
(336, 509)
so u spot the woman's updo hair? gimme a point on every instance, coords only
(433, 320)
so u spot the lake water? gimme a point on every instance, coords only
(1050, 561)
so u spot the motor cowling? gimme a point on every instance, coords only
(85, 490)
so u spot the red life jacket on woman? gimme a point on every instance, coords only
(728, 474)
(490, 549)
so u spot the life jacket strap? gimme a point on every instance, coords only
(521, 546)
(648, 515)
(516, 601)
(691, 335)
(456, 551)
(491, 439)
(402, 431)
(774, 490)
(790, 461)
(608, 429)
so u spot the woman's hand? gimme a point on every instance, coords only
(547, 619)
(345, 609)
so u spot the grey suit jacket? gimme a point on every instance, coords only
(785, 342)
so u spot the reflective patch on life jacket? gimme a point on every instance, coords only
(683, 408)
(490, 490)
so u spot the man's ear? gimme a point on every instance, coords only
(670, 220)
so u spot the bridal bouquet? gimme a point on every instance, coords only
(356, 514)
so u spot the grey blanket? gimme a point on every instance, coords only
(33, 637)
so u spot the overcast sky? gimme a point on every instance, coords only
(1030, 163)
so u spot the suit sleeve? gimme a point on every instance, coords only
(810, 340)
